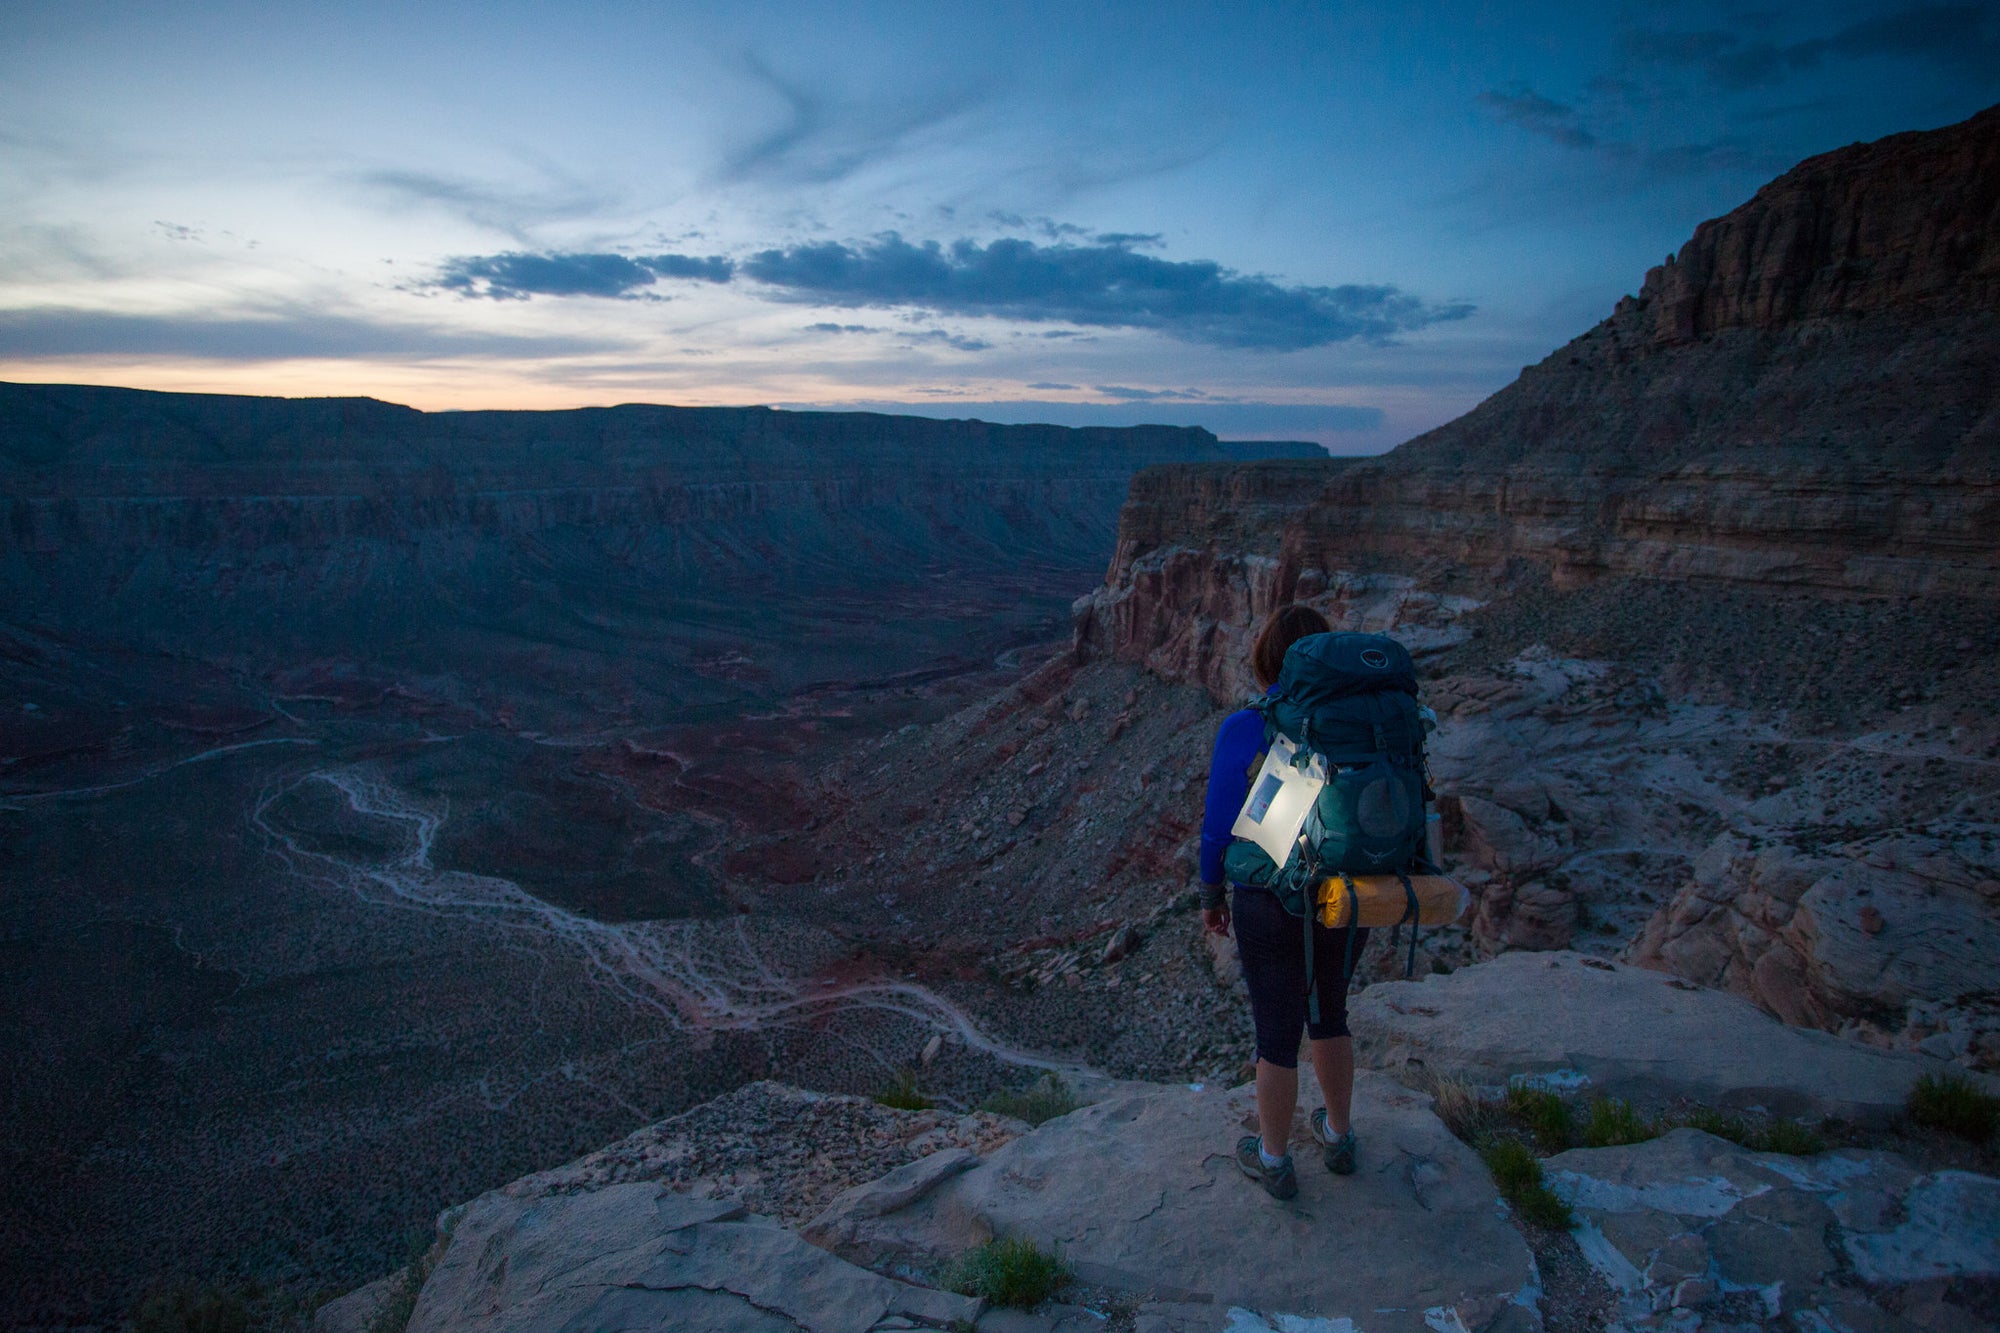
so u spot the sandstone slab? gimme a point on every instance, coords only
(1689, 1230)
(837, 1227)
(1140, 1192)
(1631, 1032)
(635, 1256)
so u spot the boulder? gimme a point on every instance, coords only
(1631, 1032)
(637, 1256)
(1691, 1227)
(1140, 1192)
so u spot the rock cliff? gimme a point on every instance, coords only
(1807, 396)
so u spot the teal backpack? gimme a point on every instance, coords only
(1352, 700)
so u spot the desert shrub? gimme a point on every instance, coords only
(192, 1310)
(1517, 1173)
(902, 1094)
(1012, 1272)
(1039, 1102)
(1956, 1105)
(1612, 1123)
(1545, 1114)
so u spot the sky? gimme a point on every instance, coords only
(1342, 223)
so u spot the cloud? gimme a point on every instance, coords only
(1964, 36)
(1229, 420)
(1127, 240)
(1567, 125)
(841, 328)
(1098, 285)
(507, 210)
(822, 139)
(961, 341)
(1151, 395)
(1552, 120)
(41, 332)
(1048, 387)
(176, 231)
(516, 276)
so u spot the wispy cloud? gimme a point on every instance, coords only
(1296, 420)
(1571, 126)
(1156, 395)
(510, 210)
(1105, 286)
(281, 335)
(516, 275)
(1966, 37)
(822, 137)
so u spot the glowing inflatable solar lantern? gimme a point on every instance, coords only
(1279, 801)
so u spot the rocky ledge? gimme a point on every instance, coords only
(701, 1223)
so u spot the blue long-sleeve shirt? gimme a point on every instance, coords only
(1238, 741)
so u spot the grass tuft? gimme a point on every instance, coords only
(1613, 1123)
(1956, 1105)
(1780, 1136)
(1012, 1272)
(902, 1094)
(1038, 1103)
(1459, 1105)
(1517, 1173)
(1544, 1113)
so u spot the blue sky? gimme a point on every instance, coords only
(1342, 223)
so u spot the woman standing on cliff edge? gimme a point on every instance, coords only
(1271, 945)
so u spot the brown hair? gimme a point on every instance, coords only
(1285, 627)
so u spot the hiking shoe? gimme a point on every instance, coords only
(1337, 1150)
(1280, 1182)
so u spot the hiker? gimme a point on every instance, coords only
(1270, 942)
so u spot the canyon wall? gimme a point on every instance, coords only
(1807, 397)
(274, 530)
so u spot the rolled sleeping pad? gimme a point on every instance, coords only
(1441, 900)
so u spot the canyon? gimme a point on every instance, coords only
(1707, 603)
(371, 782)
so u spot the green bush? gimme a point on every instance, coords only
(1039, 1102)
(902, 1094)
(1956, 1105)
(1613, 1123)
(1518, 1175)
(192, 1310)
(1007, 1272)
(1544, 1113)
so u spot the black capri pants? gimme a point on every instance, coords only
(1271, 943)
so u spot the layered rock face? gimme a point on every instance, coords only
(1805, 397)
(273, 527)
(1744, 530)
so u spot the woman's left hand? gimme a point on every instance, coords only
(1215, 920)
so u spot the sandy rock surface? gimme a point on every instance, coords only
(1140, 1192)
(778, 1151)
(639, 1257)
(1630, 1032)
